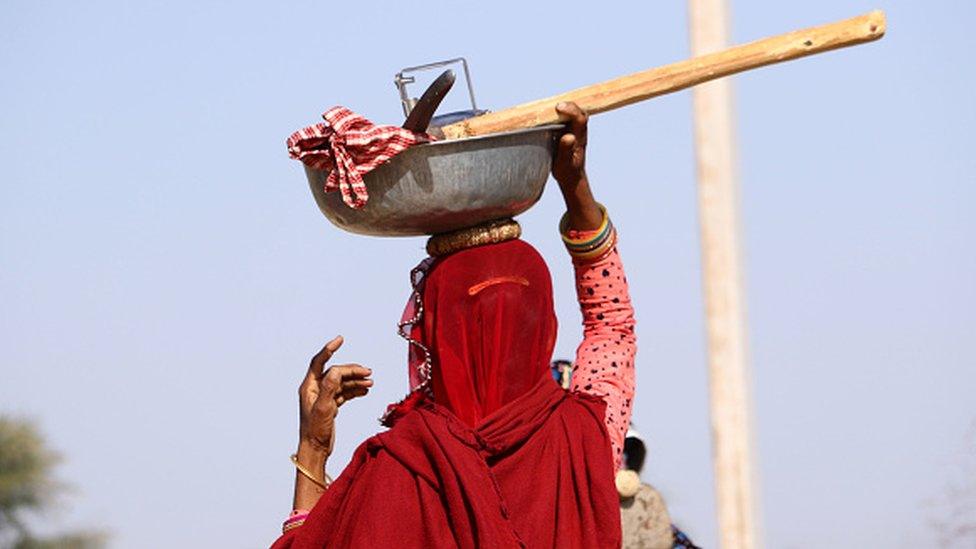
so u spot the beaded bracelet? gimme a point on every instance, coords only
(590, 248)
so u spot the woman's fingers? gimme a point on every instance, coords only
(570, 158)
(353, 371)
(339, 377)
(569, 151)
(576, 118)
(353, 382)
(356, 385)
(317, 364)
(346, 396)
(566, 143)
(342, 391)
(356, 389)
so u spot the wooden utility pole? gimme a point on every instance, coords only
(728, 373)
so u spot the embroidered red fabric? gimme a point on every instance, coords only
(349, 146)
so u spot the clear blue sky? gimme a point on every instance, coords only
(165, 275)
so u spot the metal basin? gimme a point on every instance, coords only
(446, 185)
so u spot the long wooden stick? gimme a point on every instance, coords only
(626, 90)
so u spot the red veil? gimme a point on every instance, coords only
(490, 326)
(500, 456)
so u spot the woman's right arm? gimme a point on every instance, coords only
(604, 364)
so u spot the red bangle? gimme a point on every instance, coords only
(296, 519)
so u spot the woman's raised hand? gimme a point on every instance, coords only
(321, 394)
(569, 169)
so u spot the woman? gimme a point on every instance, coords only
(489, 451)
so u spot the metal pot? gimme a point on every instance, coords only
(445, 185)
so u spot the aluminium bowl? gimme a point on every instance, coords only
(446, 185)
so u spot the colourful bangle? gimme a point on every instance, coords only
(599, 252)
(595, 245)
(601, 231)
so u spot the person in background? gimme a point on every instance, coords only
(644, 516)
(562, 372)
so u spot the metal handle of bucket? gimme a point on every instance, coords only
(401, 80)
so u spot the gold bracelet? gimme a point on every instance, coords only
(308, 474)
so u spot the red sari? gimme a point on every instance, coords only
(500, 455)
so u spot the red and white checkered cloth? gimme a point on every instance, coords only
(350, 146)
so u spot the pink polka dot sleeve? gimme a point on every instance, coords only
(605, 359)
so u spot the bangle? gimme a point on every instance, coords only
(308, 474)
(599, 233)
(595, 244)
(294, 521)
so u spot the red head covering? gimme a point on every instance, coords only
(490, 326)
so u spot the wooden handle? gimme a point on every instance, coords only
(625, 90)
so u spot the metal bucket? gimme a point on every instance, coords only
(446, 185)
